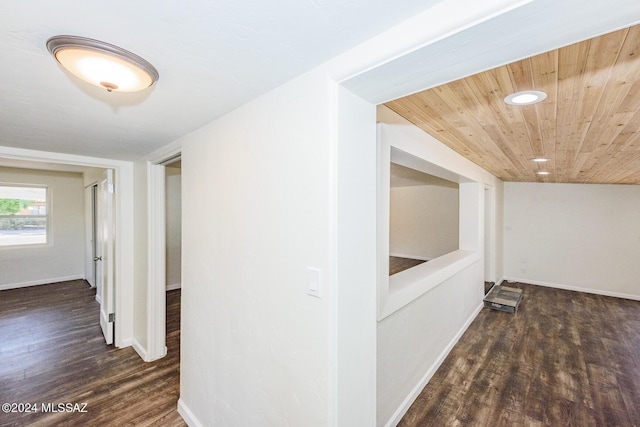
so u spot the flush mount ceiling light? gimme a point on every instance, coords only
(542, 173)
(102, 64)
(540, 159)
(526, 97)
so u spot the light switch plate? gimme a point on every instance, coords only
(314, 280)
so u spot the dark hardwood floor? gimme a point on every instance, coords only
(398, 264)
(564, 359)
(52, 351)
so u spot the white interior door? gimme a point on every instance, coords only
(104, 256)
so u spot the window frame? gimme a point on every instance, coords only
(46, 216)
(396, 228)
(397, 291)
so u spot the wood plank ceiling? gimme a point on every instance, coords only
(588, 126)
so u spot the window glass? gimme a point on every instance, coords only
(23, 215)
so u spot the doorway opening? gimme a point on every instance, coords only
(91, 169)
(99, 245)
(90, 200)
(173, 253)
(173, 220)
(53, 224)
(164, 286)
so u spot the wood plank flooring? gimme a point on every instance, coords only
(564, 359)
(398, 264)
(52, 351)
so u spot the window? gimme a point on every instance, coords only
(23, 215)
(423, 217)
(448, 254)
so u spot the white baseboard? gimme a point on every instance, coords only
(125, 343)
(408, 401)
(174, 286)
(40, 282)
(574, 288)
(421, 258)
(187, 415)
(142, 352)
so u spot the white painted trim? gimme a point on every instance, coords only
(419, 258)
(156, 248)
(98, 298)
(162, 154)
(174, 286)
(40, 282)
(352, 262)
(187, 415)
(156, 281)
(489, 232)
(140, 350)
(574, 288)
(408, 146)
(406, 286)
(408, 401)
(60, 158)
(465, 43)
(421, 30)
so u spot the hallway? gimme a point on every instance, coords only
(52, 351)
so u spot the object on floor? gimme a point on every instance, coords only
(503, 298)
(488, 286)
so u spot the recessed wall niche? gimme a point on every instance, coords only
(423, 217)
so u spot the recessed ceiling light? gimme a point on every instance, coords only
(102, 64)
(540, 159)
(526, 97)
(542, 173)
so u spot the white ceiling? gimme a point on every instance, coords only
(212, 57)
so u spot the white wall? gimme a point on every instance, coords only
(498, 229)
(354, 302)
(221, 381)
(255, 345)
(576, 236)
(140, 287)
(413, 341)
(173, 188)
(62, 258)
(92, 176)
(423, 221)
